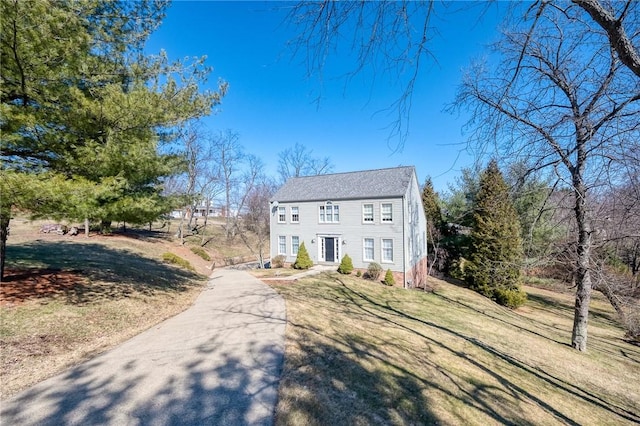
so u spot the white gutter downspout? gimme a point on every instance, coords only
(404, 248)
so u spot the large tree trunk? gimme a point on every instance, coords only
(583, 270)
(4, 233)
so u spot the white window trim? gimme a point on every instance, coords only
(382, 257)
(364, 250)
(285, 214)
(280, 246)
(382, 218)
(372, 214)
(292, 252)
(323, 208)
(291, 214)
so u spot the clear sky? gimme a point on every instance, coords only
(270, 102)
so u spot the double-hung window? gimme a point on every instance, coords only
(367, 213)
(386, 212)
(282, 244)
(368, 249)
(329, 213)
(295, 215)
(387, 250)
(282, 214)
(295, 245)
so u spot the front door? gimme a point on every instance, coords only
(329, 249)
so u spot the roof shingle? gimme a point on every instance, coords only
(380, 183)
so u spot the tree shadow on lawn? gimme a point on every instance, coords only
(86, 273)
(484, 398)
(164, 382)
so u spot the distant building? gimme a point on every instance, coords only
(372, 215)
(200, 211)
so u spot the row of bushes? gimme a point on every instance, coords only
(303, 261)
(373, 271)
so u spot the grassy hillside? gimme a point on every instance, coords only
(362, 353)
(66, 298)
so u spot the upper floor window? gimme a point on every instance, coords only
(282, 214)
(386, 212)
(295, 214)
(329, 213)
(367, 213)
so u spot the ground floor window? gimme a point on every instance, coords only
(369, 250)
(282, 244)
(387, 250)
(295, 245)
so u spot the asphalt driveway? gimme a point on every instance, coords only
(217, 363)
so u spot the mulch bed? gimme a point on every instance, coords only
(21, 285)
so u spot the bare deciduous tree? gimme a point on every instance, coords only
(560, 100)
(566, 94)
(299, 161)
(256, 221)
(229, 155)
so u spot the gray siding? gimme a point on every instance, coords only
(350, 231)
(407, 230)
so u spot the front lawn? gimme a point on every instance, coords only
(361, 353)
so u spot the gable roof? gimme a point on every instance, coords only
(380, 183)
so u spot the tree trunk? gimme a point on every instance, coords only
(583, 271)
(4, 233)
(615, 301)
(105, 226)
(86, 227)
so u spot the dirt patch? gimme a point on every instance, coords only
(21, 285)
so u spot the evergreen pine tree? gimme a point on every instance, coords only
(496, 248)
(433, 213)
(431, 206)
(346, 265)
(303, 261)
(388, 278)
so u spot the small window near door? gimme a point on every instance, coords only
(367, 213)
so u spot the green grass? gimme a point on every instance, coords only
(363, 353)
(201, 252)
(177, 260)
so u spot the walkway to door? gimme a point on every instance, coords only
(219, 362)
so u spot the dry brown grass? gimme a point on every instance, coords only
(363, 353)
(74, 297)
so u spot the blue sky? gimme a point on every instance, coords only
(270, 102)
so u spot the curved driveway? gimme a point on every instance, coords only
(217, 363)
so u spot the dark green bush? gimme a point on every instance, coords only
(373, 271)
(278, 261)
(358, 273)
(388, 278)
(346, 265)
(303, 261)
(177, 260)
(200, 252)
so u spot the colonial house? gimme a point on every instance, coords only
(373, 216)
